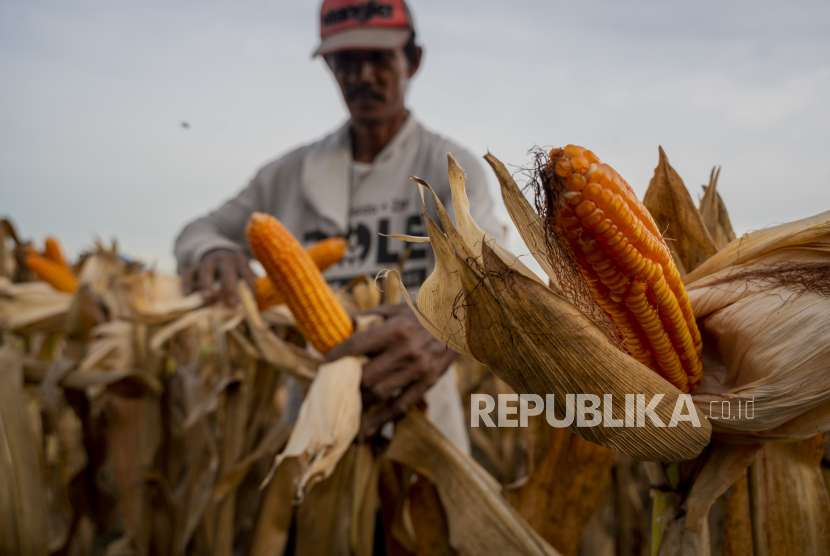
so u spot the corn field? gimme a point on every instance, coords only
(137, 420)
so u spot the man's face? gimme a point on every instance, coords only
(373, 82)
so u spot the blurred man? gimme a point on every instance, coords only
(355, 183)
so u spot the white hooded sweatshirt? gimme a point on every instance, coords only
(318, 191)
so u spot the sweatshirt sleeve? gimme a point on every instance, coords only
(222, 228)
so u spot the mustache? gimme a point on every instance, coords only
(364, 91)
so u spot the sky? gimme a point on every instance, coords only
(93, 94)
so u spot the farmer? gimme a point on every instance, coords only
(355, 183)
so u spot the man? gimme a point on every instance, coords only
(355, 183)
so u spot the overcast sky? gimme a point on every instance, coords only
(92, 96)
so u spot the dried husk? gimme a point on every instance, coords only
(789, 508)
(808, 232)
(675, 214)
(762, 304)
(328, 421)
(530, 226)
(480, 519)
(438, 309)
(510, 322)
(22, 504)
(324, 517)
(565, 486)
(32, 306)
(536, 340)
(713, 212)
(723, 466)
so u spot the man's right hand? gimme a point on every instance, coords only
(225, 264)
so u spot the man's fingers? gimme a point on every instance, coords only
(394, 408)
(394, 381)
(207, 272)
(188, 279)
(381, 366)
(228, 277)
(362, 343)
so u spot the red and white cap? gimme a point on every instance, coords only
(363, 25)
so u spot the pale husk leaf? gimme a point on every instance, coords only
(539, 343)
(282, 355)
(808, 232)
(530, 226)
(472, 233)
(724, 464)
(480, 519)
(152, 298)
(328, 421)
(713, 211)
(22, 503)
(676, 216)
(32, 306)
(766, 345)
(438, 296)
(789, 506)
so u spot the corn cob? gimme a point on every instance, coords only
(320, 317)
(55, 274)
(53, 252)
(324, 253)
(626, 264)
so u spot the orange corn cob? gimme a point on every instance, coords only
(324, 253)
(628, 269)
(320, 317)
(55, 274)
(53, 252)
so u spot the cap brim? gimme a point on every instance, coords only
(363, 39)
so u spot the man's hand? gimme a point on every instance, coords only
(226, 264)
(405, 360)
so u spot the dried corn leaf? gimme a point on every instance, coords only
(672, 208)
(273, 522)
(152, 298)
(539, 343)
(112, 347)
(272, 441)
(101, 272)
(789, 507)
(812, 232)
(565, 488)
(766, 333)
(195, 470)
(437, 299)
(328, 421)
(530, 226)
(32, 306)
(480, 519)
(429, 520)
(133, 437)
(233, 443)
(677, 540)
(22, 505)
(282, 355)
(724, 465)
(713, 211)
(365, 501)
(737, 523)
(324, 517)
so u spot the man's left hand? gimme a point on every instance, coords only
(405, 360)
